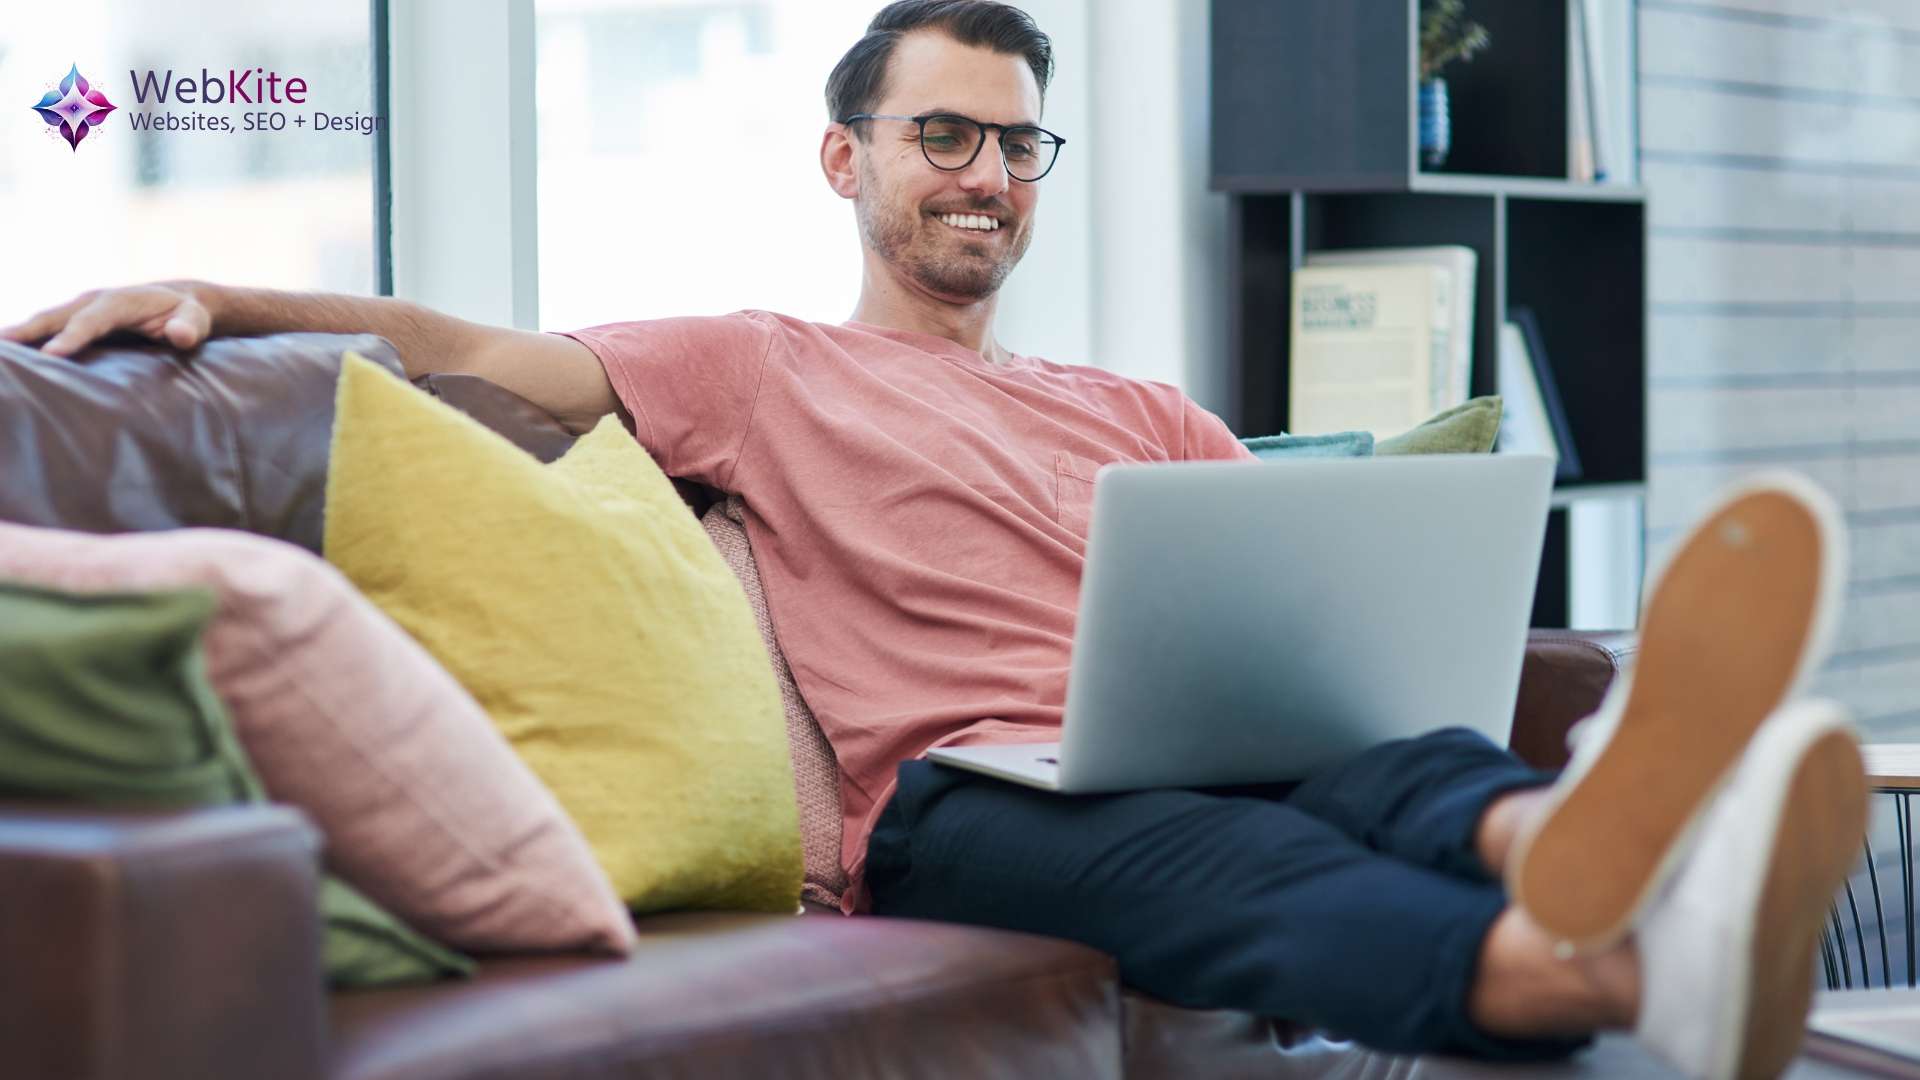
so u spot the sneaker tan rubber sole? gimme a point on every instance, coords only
(1821, 826)
(1724, 637)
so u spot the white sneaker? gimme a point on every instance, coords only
(1727, 951)
(1737, 619)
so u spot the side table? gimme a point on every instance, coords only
(1616, 1055)
(1893, 771)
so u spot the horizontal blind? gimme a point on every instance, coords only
(1780, 141)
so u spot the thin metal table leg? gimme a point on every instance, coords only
(1903, 819)
(1840, 944)
(1879, 914)
(1860, 939)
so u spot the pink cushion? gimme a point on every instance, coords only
(816, 771)
(424, 805)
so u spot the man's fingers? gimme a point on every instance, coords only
(158, 312)
(165, 314)
(90, 322)
(40, 326)
(145, 311)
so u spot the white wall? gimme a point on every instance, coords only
(1128, 268)
(1159, 234)
(464, 225)
(1047, 306)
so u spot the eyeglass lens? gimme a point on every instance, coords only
(950, 142)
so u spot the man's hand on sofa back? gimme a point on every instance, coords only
(163, 312)
(556, 373)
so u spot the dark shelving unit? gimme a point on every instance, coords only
(1314, 139)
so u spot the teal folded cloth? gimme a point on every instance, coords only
(1337, 445)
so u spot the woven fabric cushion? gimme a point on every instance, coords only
(816, 772)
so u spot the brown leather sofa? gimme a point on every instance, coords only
(170, 944)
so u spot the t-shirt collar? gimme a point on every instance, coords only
(936, 343)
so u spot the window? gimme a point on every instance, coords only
(292, 208)
(679, 159)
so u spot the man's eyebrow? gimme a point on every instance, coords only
(945, 111)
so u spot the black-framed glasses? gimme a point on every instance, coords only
(951, 142)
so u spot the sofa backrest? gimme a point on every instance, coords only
(234, 434)
(133, 438)
(530, 427)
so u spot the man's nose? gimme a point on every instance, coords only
(987, 175)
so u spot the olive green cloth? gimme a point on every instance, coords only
(104, 698)
(1467, 428)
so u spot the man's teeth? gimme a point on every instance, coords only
(971, 221)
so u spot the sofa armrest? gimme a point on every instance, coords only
(159, 943)
(1565, 675)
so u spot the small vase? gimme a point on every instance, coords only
(1436, 126)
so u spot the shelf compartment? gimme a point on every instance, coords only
(1581, 266)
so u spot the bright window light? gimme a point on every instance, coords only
(679, 159)
(292, 209)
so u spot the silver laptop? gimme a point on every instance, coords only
(1247, 624)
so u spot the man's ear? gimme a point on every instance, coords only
(836, 161)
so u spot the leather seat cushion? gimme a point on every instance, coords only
(722, 994)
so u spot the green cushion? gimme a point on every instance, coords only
(1467, 428)
(105, 698)
(364, 946)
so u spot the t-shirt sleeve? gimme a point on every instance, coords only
(1207, 438)
(690, 385)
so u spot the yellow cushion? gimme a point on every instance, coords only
(585, 609)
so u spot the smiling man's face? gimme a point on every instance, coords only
(922, 221)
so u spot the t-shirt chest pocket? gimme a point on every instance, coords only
(1073, 490)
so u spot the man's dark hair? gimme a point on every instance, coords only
(856, 84)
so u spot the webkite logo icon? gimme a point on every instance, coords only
(76, 109)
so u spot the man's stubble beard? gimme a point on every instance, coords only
(890, 227)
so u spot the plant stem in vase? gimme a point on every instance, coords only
(1446, 37)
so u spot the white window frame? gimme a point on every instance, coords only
(464, 229)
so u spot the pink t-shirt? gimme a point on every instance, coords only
(918, 515)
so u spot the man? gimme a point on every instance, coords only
(917, 498)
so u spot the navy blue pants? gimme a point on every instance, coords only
(1353, 901)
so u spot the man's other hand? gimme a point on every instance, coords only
(163, 312)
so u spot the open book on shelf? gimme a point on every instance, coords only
(1382, 338)
(1450, 385)
(1367, 343)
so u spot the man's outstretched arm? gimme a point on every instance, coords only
(558, 374)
